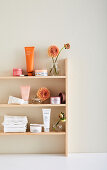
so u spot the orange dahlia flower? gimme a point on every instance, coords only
(43, 94)
(53, 51)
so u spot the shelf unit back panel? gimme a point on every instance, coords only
(34, 115)
(52, 144)
(12, 87)
(44, 62)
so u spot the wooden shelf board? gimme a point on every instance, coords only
(32, 77)
(29, 133)
(33, 105)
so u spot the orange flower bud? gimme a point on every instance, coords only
(67, 46)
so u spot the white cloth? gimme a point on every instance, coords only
(15, 123)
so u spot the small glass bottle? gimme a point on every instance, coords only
(57, 128)
(36, 100)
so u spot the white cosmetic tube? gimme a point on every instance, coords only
(46, 119)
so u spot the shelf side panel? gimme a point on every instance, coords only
(66, 126)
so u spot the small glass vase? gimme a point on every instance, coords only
(36, 100)
(54, 70)
(57, 127)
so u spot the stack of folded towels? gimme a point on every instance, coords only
(15, 123)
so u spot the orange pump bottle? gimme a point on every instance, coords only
(29, 52)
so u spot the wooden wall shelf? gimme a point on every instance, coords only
(29, 133)
(32, 105)
(31, 77)
(59, 83)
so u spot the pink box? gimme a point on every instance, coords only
(55, 100)
(17, 71)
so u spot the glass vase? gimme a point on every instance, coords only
(57, 127)
(36, 100)
(54, 70)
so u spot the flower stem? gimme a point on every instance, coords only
(58, 54)
(57, 122)
(53, 63)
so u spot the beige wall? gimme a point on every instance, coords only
(82, 23)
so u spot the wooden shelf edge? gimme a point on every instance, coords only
(29, 133)
(32, 77)
(33, 105)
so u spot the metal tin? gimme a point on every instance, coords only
(41, 73)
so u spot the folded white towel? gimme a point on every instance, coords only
(15, 123)
(15, 126)
(14, 129)
(15, 100)
(15, 118)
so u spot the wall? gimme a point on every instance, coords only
(82, 23)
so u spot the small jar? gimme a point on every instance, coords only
(17, 72)
(55, 100)
(41, 73)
